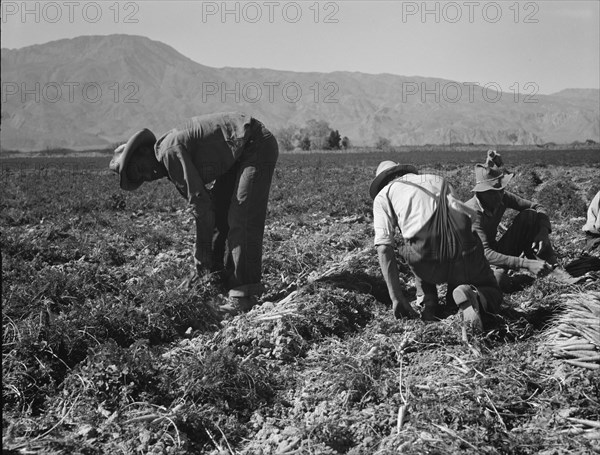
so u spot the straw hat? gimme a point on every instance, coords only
(387, 169)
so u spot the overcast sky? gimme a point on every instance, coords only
(551, 43)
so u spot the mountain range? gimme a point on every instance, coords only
(95, 91)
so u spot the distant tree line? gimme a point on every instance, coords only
(314, 135)
(318, 135)
(385, 145)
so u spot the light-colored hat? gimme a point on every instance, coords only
(387, 169)
(124, 153)
(491, 175)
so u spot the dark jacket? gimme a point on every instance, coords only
(198, 152)
(486, 225)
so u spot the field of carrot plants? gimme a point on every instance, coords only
(105, 352)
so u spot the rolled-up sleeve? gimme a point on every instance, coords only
(489, 246)
(383, 223)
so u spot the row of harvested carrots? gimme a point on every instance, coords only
(577, 350)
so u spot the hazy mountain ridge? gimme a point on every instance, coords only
(146, 83)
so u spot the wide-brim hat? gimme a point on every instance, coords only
(492, 175)
(489, 178)
(387, 169)
(123, 155)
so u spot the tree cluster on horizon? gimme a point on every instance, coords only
(314, 135)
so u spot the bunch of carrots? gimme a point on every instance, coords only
(575, 334)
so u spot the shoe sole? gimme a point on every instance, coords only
(468, 305)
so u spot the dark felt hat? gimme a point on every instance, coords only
(124, 153)
(387, 169)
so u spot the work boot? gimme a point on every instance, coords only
(467, 300)
(246, 303)
(237, 305)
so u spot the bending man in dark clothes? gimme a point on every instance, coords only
(223, 165)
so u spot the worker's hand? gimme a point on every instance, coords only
(537, 266)
(199, 276)
(403, 309)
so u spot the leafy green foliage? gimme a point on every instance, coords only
(562, 198)
(105, 352)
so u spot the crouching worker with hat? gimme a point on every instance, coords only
(440, 245)
(222, 164)
(526, 243)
